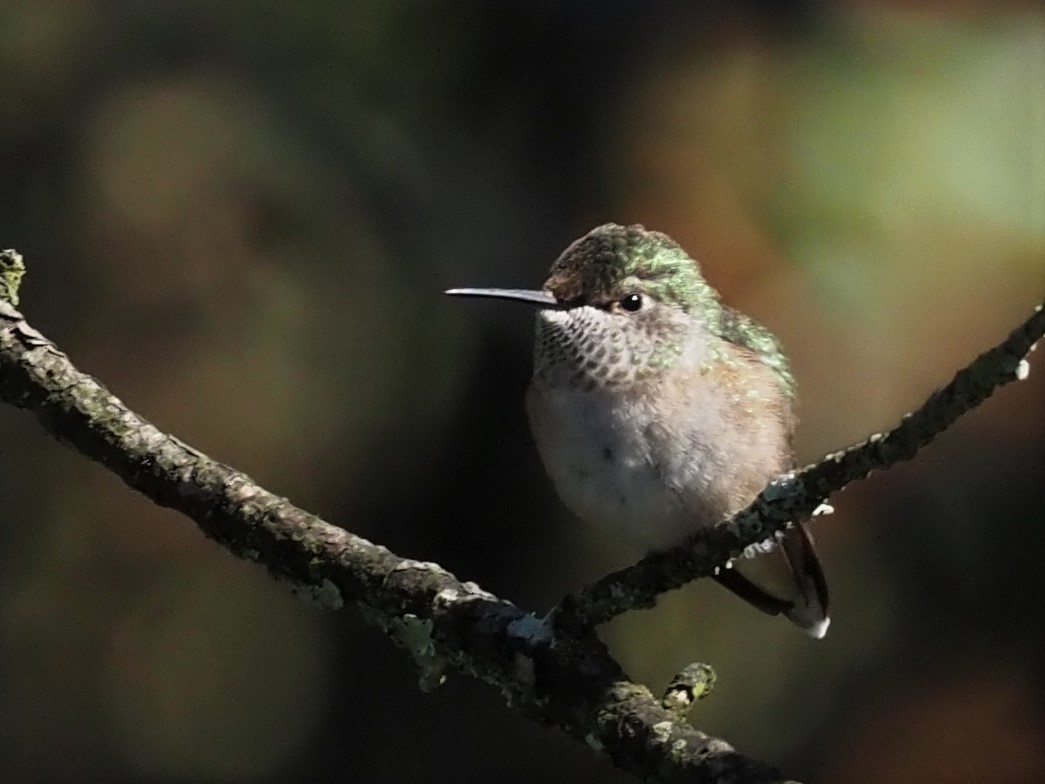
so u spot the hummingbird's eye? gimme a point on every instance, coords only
(632, 303)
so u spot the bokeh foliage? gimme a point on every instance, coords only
(240, 216)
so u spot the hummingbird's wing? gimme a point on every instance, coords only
(790, 580)
(794, 571)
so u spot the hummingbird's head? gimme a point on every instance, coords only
(619, 304)
(627, 269)
(631, 302)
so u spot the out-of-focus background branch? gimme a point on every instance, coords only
(219, 191)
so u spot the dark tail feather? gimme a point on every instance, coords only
(751, 593)
(808, 609)
(811, 599)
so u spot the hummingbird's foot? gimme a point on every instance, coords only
(535, 630)
(694, 682)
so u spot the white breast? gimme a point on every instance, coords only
(609, 462)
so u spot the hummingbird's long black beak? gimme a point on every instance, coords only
(541, 298)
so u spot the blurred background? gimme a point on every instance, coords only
(240, 217)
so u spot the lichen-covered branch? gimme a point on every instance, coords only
(795, 497)
(559, 674)
(561, 678)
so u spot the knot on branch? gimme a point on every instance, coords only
(694, 682)
(12, 268)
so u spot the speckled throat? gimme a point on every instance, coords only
(589, 348)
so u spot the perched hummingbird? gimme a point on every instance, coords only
(657, 409)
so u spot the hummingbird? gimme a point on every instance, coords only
(657, 409)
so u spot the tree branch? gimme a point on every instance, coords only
(560, 675)
(567, 680)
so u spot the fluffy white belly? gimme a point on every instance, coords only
(617, 467)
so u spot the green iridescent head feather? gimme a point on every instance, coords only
(597, 269)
